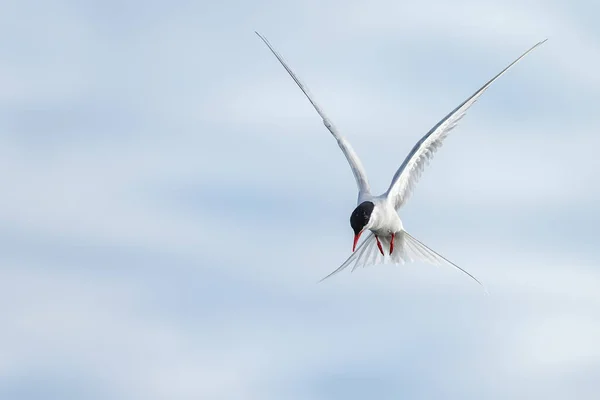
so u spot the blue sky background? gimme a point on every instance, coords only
(170, 200)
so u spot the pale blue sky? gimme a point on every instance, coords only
(171, 199)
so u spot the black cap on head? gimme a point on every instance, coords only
(361, 215)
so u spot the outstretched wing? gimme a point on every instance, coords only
(409, 172)
(355, 163)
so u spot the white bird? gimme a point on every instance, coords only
(379, 214)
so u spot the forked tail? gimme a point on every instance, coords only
(406, 249)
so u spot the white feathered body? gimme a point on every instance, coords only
(384, 219)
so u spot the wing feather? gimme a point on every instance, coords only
(355, 163)
(421, 154)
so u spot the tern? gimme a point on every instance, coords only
(379, 214)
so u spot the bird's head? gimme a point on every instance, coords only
(360, 218)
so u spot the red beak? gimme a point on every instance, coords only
(356, 240)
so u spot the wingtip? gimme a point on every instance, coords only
(541, 42)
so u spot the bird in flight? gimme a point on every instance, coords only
(379, 214)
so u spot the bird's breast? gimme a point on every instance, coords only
(387, 222)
